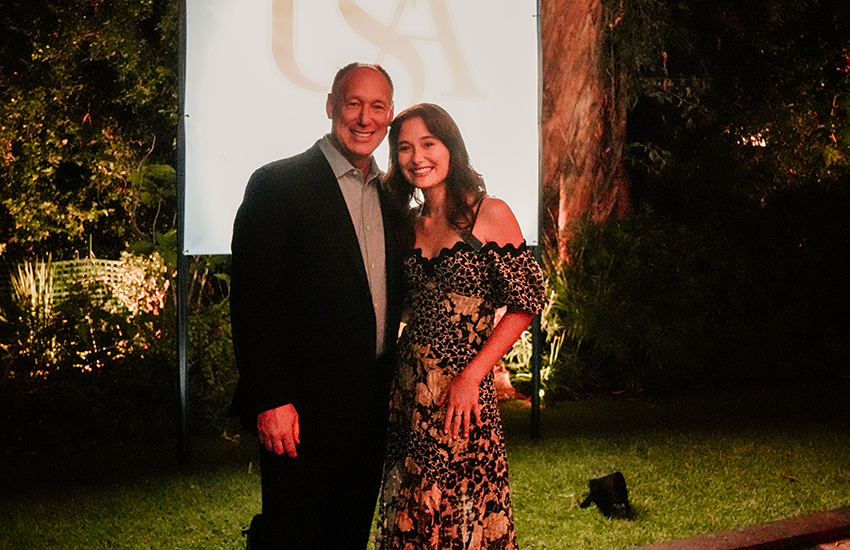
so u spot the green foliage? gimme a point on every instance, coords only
(764, 86)
(213, 371)
(642, 295)
(88, 97)
(86, 363)
(650, 303)
(100, 360)
(519, 359)
(98, 319)
(155, 189)
(729, 269)
(28, 335)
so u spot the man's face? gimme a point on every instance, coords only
(360, 113)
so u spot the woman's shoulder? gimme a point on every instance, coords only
(493, 207)
(496, 223)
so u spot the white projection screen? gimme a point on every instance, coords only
(258, 73)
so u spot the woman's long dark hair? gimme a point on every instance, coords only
(462, 182)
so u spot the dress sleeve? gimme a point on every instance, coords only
(517, 279)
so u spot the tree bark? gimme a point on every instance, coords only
(583, 121)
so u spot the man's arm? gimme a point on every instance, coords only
(260, 295)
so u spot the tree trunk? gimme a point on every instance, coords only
(584, 121)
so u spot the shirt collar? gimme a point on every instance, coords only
(339, 164)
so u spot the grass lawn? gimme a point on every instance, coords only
(693, 464)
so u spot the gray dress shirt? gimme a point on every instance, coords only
(364, 205)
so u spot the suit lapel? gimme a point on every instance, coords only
(394, 250)
(337, 223)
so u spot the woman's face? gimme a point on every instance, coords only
(423, 158)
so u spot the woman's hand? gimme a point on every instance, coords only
(461, 400)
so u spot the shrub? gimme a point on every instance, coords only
(86, 361)
(212, 371)
(88, 350)
(652, 303)
(643, 296)
(519, 359)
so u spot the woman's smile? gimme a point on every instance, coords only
(423, 158)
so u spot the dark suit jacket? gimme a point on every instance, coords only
(302, 314)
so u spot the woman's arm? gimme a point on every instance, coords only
(496, 223)
(461, 394)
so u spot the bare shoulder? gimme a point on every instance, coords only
(496, 223)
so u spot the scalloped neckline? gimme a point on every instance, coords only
(445, 251)
(461, 245)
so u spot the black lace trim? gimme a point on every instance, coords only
(461, 246)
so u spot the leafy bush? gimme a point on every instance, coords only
(86, 362)
(519, 359)
(29, 336)
(651, 303)
(212, 365)
(643, 296)
(98, 359)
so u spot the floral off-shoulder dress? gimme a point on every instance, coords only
(440, 493)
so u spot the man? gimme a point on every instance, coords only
(314, 284)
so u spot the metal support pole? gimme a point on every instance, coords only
(536, 346)
(536, 332)
(182, 261)
(183, 347)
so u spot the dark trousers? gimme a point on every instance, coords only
(319, 500)
(325, 498)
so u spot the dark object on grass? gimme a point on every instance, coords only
(610, 495)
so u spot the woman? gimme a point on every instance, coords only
(446, 479)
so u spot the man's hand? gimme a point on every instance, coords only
(278, 430)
